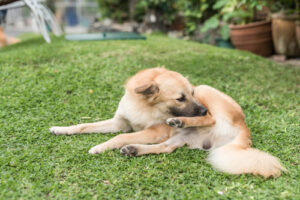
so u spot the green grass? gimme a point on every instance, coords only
(50, 84)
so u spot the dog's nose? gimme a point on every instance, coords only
(203, 111)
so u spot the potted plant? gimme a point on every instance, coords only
(298, 23)
(298, 32)
(285, 28)
(243, 21)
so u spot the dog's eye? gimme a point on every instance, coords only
(181, 99)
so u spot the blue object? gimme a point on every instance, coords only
(2, 16)
(72, 18)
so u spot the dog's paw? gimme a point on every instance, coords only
(56, 130)
(96, 149)
(175, 122)
(129, 150)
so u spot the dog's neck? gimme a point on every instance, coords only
(140, 113)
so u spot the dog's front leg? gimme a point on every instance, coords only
(113, 125)
(184, 122)
(168, 146)
(155, 134)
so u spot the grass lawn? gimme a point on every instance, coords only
(65, 83)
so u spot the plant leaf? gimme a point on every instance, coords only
(211, 23)
(220, 4)
(225, 32)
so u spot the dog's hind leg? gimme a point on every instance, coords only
(115, 124)
(155, 134)
(166, 147)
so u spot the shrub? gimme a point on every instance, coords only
(114, 9)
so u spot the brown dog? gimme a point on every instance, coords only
(154, 96)
(151, 97)
(222, 131)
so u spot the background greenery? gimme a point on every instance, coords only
(193, 11)
(66, 83)
(197, 15)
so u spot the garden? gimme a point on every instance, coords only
(65, 83)
(251, 25)
(70, 82)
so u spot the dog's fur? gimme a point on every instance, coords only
(222, 131)
(155, 95)
(151, 97)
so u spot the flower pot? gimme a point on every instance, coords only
(178, 24)
(284, 34)
(298, 33)
(254, 37)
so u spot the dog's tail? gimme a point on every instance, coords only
(236, 159)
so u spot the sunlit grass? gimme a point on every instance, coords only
(66, 83)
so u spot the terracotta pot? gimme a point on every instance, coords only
(254, 37)
(178, 24)
(298, 33)
(284, 35)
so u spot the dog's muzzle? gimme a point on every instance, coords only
(191, 110)
(200, 111)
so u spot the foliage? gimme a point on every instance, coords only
(195, 12)
(241, 11)
(215, 14)
(166, 8)
(283, 5)
(114, 9)
(64, 83)
(118, 10)
(232, 12)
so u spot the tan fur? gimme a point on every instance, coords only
(145, 108)
(203, 121)
(139, 110)
(225, 130)
(155, 134)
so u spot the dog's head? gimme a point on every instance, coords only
(170, 92)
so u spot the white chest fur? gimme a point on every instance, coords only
(138, 115)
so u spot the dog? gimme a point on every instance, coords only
(222, 131)
(151, 97)
(164, 108)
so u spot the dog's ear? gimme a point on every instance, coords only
(147, 89)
